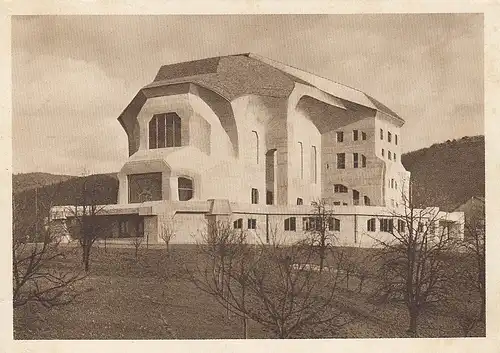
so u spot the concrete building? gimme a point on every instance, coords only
(250, 140)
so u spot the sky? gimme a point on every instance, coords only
(73, 75)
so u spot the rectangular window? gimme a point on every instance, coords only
(381, 134)
(363, 135)
(337, 203)
(386, 225)
(238, 224)
(370, 225)
(144, 187)
(367, 200)
(300, 201)
(340, 160)
(396, 139)
(344, 203)
(394, 157)
(392, 183)
(401, 226)
(333, 224)
(340, 136)
(255, 196)
(389, 155)
(383, 152)
(355, 160)
(355, 135)
(314, 165)
(290, 224)
(363, 161)
(269, 197)
(252, 223)
(355, 197)
(123, 228)
(389, 136)
(161, 131)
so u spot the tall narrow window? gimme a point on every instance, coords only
(314, 165)
(238, 224)
(386, 225)
(355, 160)
(301, 150)
(370, 225)
(381, 134)
(355, 197)
(389, 155)
(185, 189)
(340, 136)
(355, 135)
(401, 226)
(367, 201)
(389, 136)
(394, 157)
(363, 161)
(256, 146)
(333, 224)
(363, 135)
(252, 223)
(396, 139)
(392, 183)
(165, 131)
(255, 196)
(340, 160)
(383, 152)
(300, 201)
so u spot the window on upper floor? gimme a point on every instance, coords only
(381, 134)
(392, 183)
(336, 203)
(255, 196)
(355, 160)
(340, 160)
(252, 223)
(290, 224)
(256, 145)
(144, 187)
(355, 135)
(389, 155)
(355, 197)
(394, 157)
(389, 136)
(185, 186)
(363, 161)
(370, 225)
(396, 139)
(383, 152)
(165, 131)
(238, 224)
(339, 188)
(367, 201)
(340, 136)
(300, 201)
(363, 135)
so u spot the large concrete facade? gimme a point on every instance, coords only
(264, 138)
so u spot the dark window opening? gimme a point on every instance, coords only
(355, 135)
(238, 224)
(355, 160)
(339, 188)
(336, 203)
(123, 228)
(340, 160)
(370, 225)
(367, 201)
(381, 134)
(290, 224)
(255, 196)
(386, 225)
(333, 224)
(363, 161)
(144, 187)
(396, 139)
(269, 198)
(363, 136)
(300, 201)
(340, 136)
(383, 152)
(389, 136)
(389, 155)
(165, 131)
(401, 226)
(252, 223)
(185, 187)
(355, 197)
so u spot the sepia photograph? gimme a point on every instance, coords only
(253, 176)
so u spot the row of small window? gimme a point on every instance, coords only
(342, 189)
(355, 161)
(251, 223)
(385, 225)
(312, 224)
(389, 136)
(355, 135)
(390, 156)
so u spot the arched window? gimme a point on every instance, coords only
(255, 196)
(185, 187)
(314, 166)
(301, 151)
(165, 131)
(339, 188)
(355, 197)
(256, 146)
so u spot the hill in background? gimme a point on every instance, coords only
(447, 174)
(28, 181)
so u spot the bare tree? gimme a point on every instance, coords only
(320, 230)
(36, 252)
(167, 231)
(86, 218)
(414, 259)
(137, 242)
(271, 284)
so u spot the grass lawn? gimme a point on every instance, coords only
(150, 298)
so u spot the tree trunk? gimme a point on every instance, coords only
(413, 324)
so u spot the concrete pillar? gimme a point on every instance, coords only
(122, 188)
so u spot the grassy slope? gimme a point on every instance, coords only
(150, 299)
